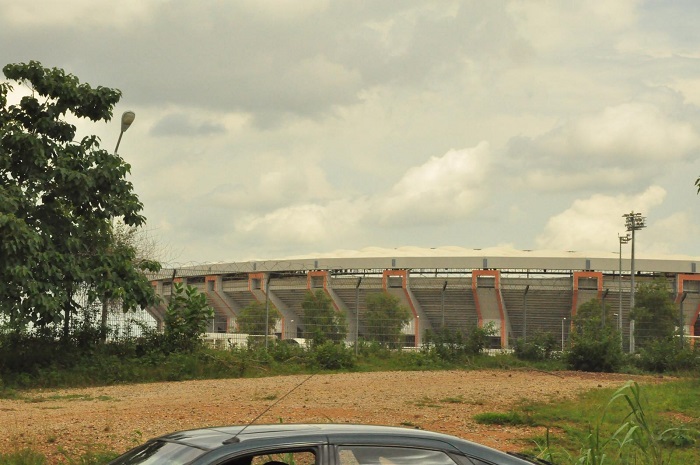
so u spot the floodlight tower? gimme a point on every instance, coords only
(633, 222)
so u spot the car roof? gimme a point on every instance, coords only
(212, 436)
(241, 436)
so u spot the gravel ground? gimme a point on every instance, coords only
(123, 416)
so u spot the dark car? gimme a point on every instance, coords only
(318, 444)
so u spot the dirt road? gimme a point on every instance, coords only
(122, 416)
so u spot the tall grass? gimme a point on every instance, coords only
(629, 430)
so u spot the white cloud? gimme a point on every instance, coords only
(438, 191)
(313, 224)
(631, 131)
(552, 25)
(664, 234)
(593, 223)
(50, 13)
(616, 146)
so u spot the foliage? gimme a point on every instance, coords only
(666, 355)
(186, 318)
(636, 440)
(541, 346)
(452, 345)
(595, 345)
(331, 356)
(623, 426)
(385, 318)
(58, 198)
(251, 320)
(654, 313)
(321, 321)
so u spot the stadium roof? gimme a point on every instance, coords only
(451, 258)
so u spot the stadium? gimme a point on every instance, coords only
(518, 293)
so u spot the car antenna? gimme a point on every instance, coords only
(235, 438)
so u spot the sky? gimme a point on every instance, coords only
(275, 128)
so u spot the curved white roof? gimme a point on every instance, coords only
(452, 258)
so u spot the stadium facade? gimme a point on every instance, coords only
(519, 293)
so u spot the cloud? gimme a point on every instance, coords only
(282, 183)
(304, 224)
(619, 145)
(439, 191)
(181, 125)
(594, 223)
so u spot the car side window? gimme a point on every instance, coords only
(373, 455)
(294, 457)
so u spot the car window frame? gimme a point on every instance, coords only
(319, 450)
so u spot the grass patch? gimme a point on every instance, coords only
(653, 423)
(498, 418)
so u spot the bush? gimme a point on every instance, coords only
(666, 355)
(595, 346)
(541, 346)
(600, 352)
(331, 356)
(449, 345)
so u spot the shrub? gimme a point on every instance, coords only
(331, 356)
(600, 352)
(541, 346)
(452, 345)
(594, 345)
(664, 355)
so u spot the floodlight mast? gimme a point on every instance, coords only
(633, 222)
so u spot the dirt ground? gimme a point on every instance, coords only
(122, 416)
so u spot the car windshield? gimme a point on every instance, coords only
(157, 452)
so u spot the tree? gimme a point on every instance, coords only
(654, 313)
(186, 318)
(321, 321)
(58, 197)
(594, 346)
(251, 320)
(385, 317)
(135, 254)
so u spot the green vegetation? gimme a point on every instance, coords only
(595, 344)
(629, 426)
(251, 320)
(186, 319)
(321, 321)
(654, 313)
(59, 199)
(450, 345)
(507, 418)
(384, 318)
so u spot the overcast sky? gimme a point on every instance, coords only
(276, 128)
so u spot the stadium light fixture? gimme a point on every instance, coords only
(127, 118)
(633, 222)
